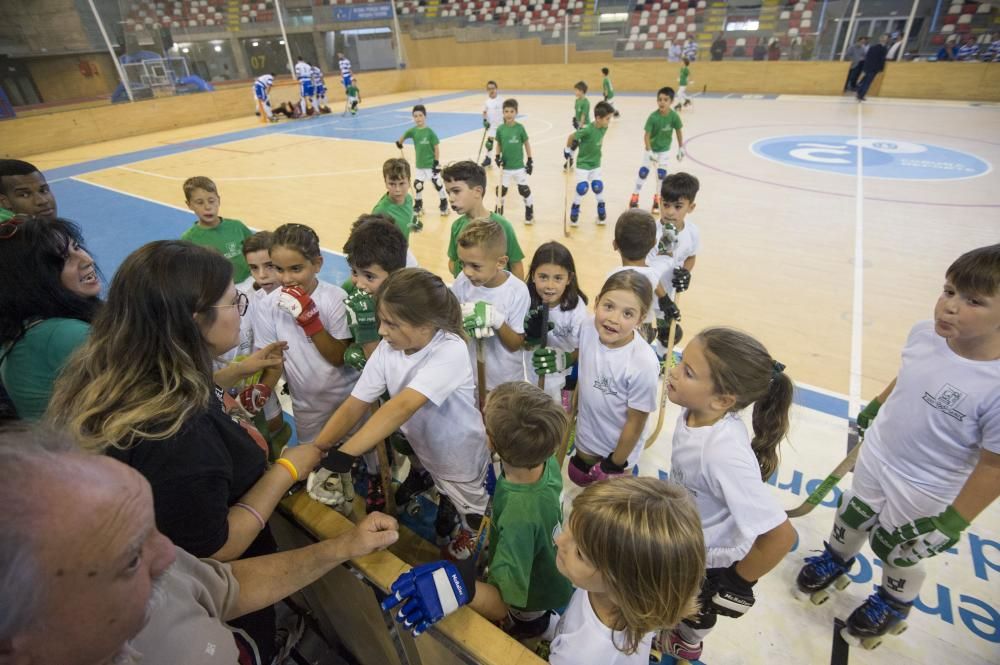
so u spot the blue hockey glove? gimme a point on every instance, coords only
(430, 592)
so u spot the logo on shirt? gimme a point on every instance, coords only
(946, 401)
(603, 384)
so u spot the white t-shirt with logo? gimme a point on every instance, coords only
(581, 638)
(943, 410)
(610, 381)
(317, 387)
(447, 432)
(494, 112)
(513, 300)
(717, 466)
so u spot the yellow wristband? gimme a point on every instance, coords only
(289, 467)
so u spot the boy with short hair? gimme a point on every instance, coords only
(512, 146)
(930, 464)
(492, 117)
(353, 96)
(396, 203)
(428, 159)
(211, 230)
(581, 107)
(493, 304)
(466, 185)
(24, 191)
(609, 90)
(682, 85)
(303, 74)
(658, 132)
(588, 166)
(678, 239)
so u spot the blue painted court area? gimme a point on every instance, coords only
(389, 126)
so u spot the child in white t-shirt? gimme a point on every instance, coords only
(930, 464)
(423, 363)
(747, 533)
(616, 386)
(557, 302)
(309, 315)
(656, 575)
(678, 241)
(492, 118)
(493, 304)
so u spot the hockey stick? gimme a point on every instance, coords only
(570, 432)
(482, 142)
(566, 203)
(385, 471)
(831, 481)
(545, 339)
(667, 360)
(481, 371)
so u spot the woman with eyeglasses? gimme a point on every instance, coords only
(141, 390)
(48, 299)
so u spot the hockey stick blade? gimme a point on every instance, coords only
(832, 480)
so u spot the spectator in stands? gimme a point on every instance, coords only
(774, 50)
(969, 50)
(141, 390)
(718, 47)
(992, 54)
(947, 52)
(50, 296)
(690, 50)
(673, 52)
(23, 190)
(795, 49)
(759, 50)
(87, 578)
(874, 64)
(895, 46)
(856, 54)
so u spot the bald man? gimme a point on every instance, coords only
(87, 579)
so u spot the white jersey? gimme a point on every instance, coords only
(610, 382)
(581, 637)
(411, 260)
(345, 67)
(493, 108)
(447, 432)
(317, 387)
(564, 336)
(651, 273)
(717, 466)
(303, 71)
(317, 75)
(266, 80)
(513, 300)
(943, 410)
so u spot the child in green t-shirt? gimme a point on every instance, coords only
(609, 90)
(396, 203)
(428, 159)
(588, 166)
(682, 80)
(210, 230)
(581, 107)
(353, 96)
(512, 146)
(658, 133)
(466, 184)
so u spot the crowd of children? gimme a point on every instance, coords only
(608, 566)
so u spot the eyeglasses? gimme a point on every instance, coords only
(9, 228)
(242, 303)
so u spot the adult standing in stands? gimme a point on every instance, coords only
(141, 390)
(345, 69)
(856, 54)
(874, 64)
(774, 50)
(718, 47)
(895, 47)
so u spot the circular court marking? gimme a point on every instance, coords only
(885, 158)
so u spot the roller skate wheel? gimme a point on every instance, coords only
(850, 638)
(870, 643)
(842, 582)
(899, 628)
(819, 597)
(799, 594)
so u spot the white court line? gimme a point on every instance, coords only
(168, 205)
(857, 308)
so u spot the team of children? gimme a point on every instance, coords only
(653, 563)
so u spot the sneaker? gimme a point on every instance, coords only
(418, 482)
(375, 494)
(529, 215)
(656, 204)
(633, 201)
(461, 547)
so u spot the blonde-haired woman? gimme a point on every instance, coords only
(141, 390)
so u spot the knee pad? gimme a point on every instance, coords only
(418, 186)
(661, 174)
(855, 513)
(597, 186)
(581, 187)
(524, 191)
(489, 143)
(643, 172)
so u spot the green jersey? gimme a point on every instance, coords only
(522, 554)
(400, 213)
(227, 238)
(30, 369)
(5, 214)
(660, 129)
(590, 138)
(424, 140)
(514, 252)
(512, 139)
(609, 91)
(581, 111)
(685, 72)
(352, 91)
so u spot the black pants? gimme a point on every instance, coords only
(852, 76)
(866, 82)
